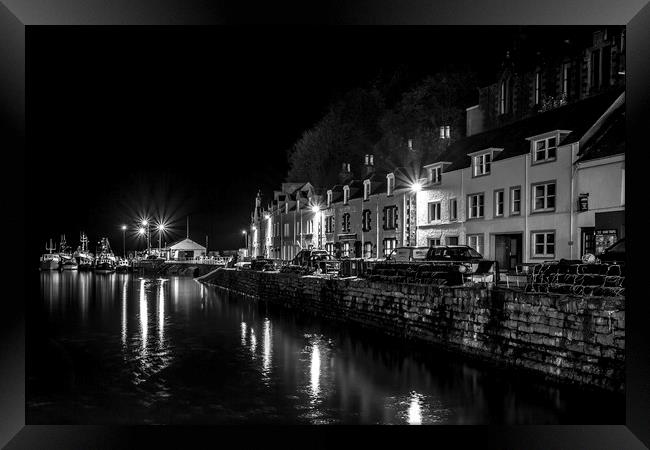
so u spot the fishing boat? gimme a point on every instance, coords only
(123, 265)
(67, 260)
(50, 260)
(105, 261)
(82, 255)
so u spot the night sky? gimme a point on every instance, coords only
(190, 121)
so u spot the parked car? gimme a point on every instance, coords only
(263, 264)
(466, 259)
(408, 254)
(316, 260)
(614, 253)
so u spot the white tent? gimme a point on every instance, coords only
(185, 249)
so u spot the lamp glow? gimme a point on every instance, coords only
(416, 187)
(141, 230)
(123, 227)
(145, 222)
(315, 209)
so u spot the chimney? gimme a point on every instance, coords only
(344, 174)
(369, 165)
(475, 122)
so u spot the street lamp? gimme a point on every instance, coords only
(145, 223)
(124, 240)
(316, 210)
(416, 187)
(161, 228)
(245, 238)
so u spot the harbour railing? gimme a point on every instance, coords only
(214, 261)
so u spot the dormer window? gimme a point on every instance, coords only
(481, 164)
(366, 189)
(346, 194)
(329, 198)
(435, 174)
(545, 149)
(390, 183)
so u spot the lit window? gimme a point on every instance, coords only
(389, 246)
(544, 244)
(482, 164)
(538, 87)
(346, 194)
(498, 203)
(544, 197)
(286, 230)
(310, 227)
(329, 198)
(545, 149)
(329, 248)
(453, 209)
(434, 211)
(390, 184)
(476, 242)
(346, 249)
(367, 250)
(515, 201)
(475, 206)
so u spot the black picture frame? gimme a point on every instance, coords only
(16, 18)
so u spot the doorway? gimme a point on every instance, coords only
(508, 250)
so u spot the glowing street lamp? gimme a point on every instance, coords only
(416, 187)
(161, 228)
(245, 233)
(316, 210)
(124, 240)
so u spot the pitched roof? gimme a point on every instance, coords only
(577, 117)
(606, 138)
(185, 244)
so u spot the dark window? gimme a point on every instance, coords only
(390, 217)
(366, 220)
(345, 224)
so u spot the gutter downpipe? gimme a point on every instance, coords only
(525, 196)
(574, 169)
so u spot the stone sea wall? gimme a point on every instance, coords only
(579, 340)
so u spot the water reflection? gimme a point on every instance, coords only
(219, 358)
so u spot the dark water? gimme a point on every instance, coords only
(123, 349)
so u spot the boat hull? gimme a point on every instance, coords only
(70, 267)
(49, 265)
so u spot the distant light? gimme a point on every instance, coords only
(144, 223)
(243, 231)
(123, 227)
(141, 231)
(315, 208)
(621, 72)
(416, 187)
(161, 227)
(254, 229)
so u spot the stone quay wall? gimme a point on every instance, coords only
(569, 339)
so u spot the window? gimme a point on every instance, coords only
(544, 244)
(345, 224)
(329, 198)
(544, 197)
(390, 184)
(297, 228)
(451, 240)
(390, 217)
(482, 164)
(329, 248)
(595, 69)
(476, 242)
(498, 203)
(310, 227)
(365, 220)
(435, 174)
(538, 87)
(515, 201)
(434, 211)
(329, 224)
(445, 132)
(434, 242)
(565, 79)
(346, 249)
(366, 189)
(502, 97)
(475, 206)
(453, 209)
(545, 149)
(389, 246)
(346, 194)
(367, 250)
(286, 230)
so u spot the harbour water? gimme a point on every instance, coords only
(122, 349)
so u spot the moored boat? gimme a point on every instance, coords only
(105, 261)
(49, 260)
(123, 265)
(83, 257)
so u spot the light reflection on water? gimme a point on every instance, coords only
(229, 358)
